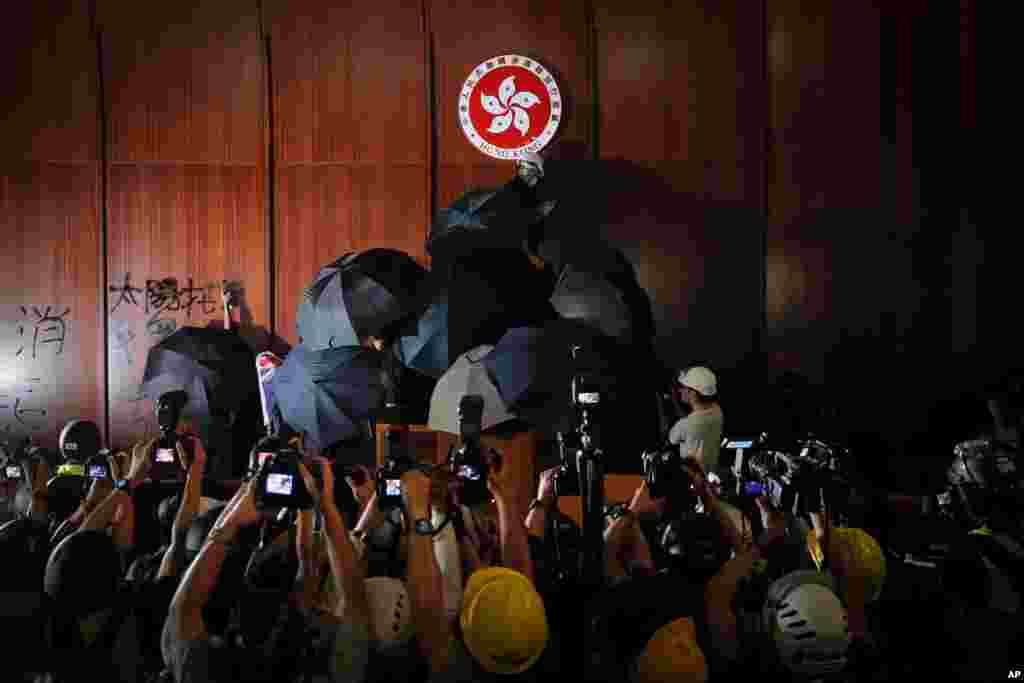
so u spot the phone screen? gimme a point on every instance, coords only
(280, 484)
(13, 472)
(262, 458)
(393, 487)
(739, 444)
(165, 455)
(468, 472)
(98, 472)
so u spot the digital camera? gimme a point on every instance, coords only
(468, 463)
(667, 476)
(168, 413)
(279, 483)
(98, 466)
(397, 461)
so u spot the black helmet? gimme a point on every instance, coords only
(80, 440)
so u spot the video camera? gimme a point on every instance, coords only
(586, 398)
(397, 461)
(10, 468)
(279, 484)
(794, 481)
(469, 463)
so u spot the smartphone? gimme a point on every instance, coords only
(280, 484)
(13, 472)
(97, 472)
(739, 444)
(166, 455)
(393, 487)
(753, 488)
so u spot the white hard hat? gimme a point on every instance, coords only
(808, 623)
(700, 379)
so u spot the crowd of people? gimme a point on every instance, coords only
(141, 581)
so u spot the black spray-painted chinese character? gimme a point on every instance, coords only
(47, 328)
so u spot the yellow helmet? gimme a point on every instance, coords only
(866, 559)
(672, 655)
(504, 625)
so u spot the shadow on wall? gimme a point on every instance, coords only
(698, 260)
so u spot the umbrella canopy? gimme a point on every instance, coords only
(326, 394)
(468, 375)
(214, 367)
(425, 349)
(486, 219)
(361, 294)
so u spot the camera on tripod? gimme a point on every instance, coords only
(586, 395)
(470, 465)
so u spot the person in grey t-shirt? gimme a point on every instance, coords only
(698, 388)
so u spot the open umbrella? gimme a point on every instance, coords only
(214, 367)
(425, 347)
(361, 294)
(468, 375)
(326, 393)
(486, 219)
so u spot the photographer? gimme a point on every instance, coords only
(698, 388)
(502, 625)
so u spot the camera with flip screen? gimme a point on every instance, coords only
(98, 466)
(279, 483)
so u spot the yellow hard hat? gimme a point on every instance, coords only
(504, 625)
(672, 655)
(866, 559)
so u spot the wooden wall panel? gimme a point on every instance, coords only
(325, 211)
(198, 225)
(681, 136)
(51, 341)
(51, 353)
(48, 102)
(184, 81)
(352, 132)
(349, 82)
(186, 110)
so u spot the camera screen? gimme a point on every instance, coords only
(98, 472)
(469, 472)
(588, 398)
(281, 484)
(393, 487)
(165, 455)
(13, 472)
(262, 458)
(754, 488)
(739, 444)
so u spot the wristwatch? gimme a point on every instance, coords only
(424, 527)
(124, 485)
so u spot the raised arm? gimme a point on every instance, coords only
(175, 556)
(515, 546)
(536, 517)
(185, 615)
(102, 517)
(426, 588)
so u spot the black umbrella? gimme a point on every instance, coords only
(486, 219)
(360, 295)
(327, 394)
(423, 346)
(214, 367)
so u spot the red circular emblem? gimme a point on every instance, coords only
(510, 105)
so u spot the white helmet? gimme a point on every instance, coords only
(808, 623)
(700, 379)
(391, 611)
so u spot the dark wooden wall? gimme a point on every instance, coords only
(765, 167)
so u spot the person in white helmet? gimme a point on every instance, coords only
(699, 434)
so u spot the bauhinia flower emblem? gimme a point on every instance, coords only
(509, 107)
